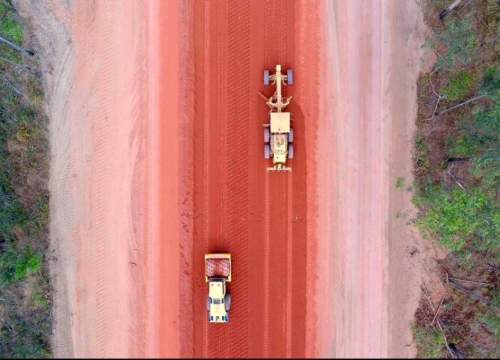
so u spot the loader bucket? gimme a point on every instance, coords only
(218, 266)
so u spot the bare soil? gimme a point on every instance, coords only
(370, 263)
(158, 158)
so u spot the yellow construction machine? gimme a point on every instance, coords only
(217, 275)
(278, 135)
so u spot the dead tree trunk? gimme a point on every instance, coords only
(458, 352)
(30, 53)
(472, 293)
(449, 9)
(459, 105)
(494, 267)
(16, 64)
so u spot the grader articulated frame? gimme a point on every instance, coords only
(278, 135)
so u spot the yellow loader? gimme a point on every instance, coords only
(217, 275)
(278, 135)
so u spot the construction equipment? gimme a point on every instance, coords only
(278, 135)
(218, 274)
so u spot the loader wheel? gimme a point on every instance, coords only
(227, 302)
(267, 151)
(266, 77)
(290, 151)
(289, 75)
(266, 135)
(208, 302)
(290, 136)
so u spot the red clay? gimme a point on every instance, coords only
(237, 207)
(159, 159)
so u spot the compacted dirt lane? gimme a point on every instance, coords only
(209, 117)
(368, 283)
(238, 207)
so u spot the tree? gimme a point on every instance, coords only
(455, 44)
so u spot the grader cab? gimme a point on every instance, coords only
(278, 135)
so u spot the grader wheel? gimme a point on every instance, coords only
(266, 77)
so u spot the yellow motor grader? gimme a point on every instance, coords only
(218, 274)
(278, 135)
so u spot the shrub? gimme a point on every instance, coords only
(456, 42)
(430, 342)
(458, 86)
(455, 215)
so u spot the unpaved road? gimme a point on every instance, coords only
(158, 158)
(227, 202)
(366, 278)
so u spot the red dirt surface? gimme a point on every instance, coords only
(222, 199)
(158, 159)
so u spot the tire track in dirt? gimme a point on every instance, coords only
(259, 217)
(236, 185)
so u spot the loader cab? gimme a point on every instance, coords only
(216, 301)
(217, 288)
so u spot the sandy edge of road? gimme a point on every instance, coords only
(368, 283)
(94, 64)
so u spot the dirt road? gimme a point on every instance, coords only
(367, 279)
(158, 158)
(227, 202)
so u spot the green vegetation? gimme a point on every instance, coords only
(25, 298)
(400, 182)
(455, 45)
(458, 87)
(457, 167)
(431, 341)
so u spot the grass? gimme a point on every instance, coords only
(457, 170)
(400, 182)
(25, 301)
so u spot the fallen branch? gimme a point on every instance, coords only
(470, 342)
(454, 178)
(7, 325)
(458, 159)
(439, 96)
(10, 84)
(445, 340)
(16, 64)
(494, 267)
(463, 7)
(472, 293)
(459, 105)
(456, 351)
(470, 281)
(449, 9)
(434, 99)
(30, 53)
(437, 311)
